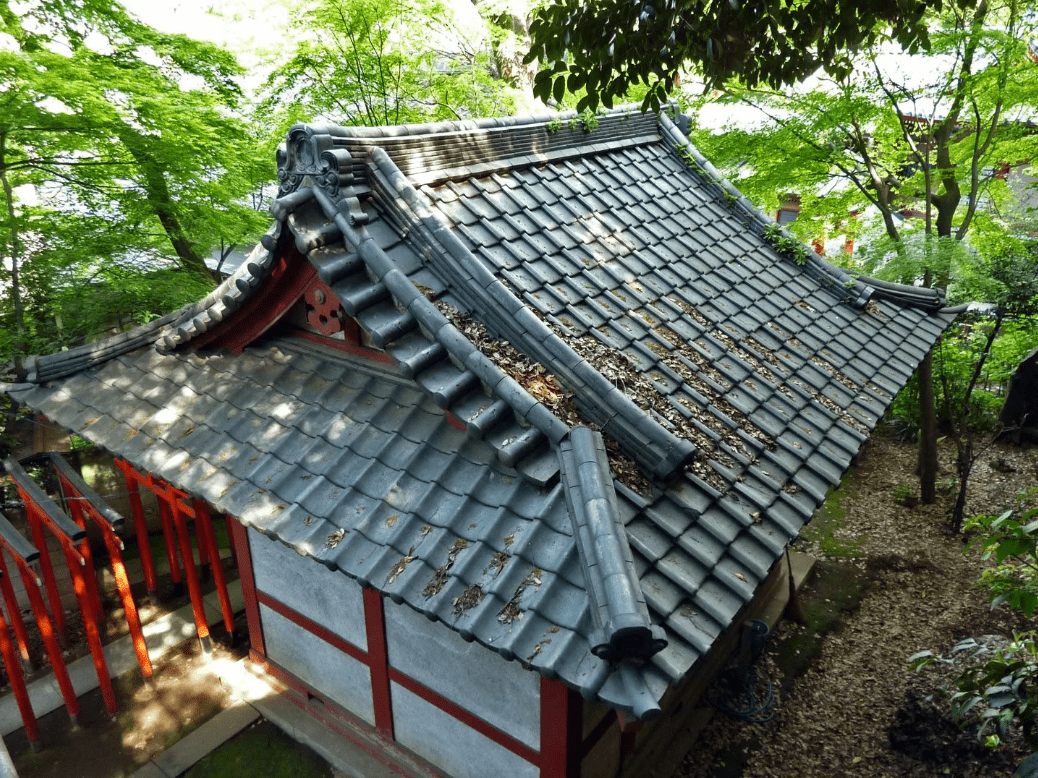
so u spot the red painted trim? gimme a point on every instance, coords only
(312, 627)
(379, 665)
(598, 732)
(188, 556)
(240, 541)
(467, 718)
(562, 724)
(290, 277)
(344, 346)
(378, 656)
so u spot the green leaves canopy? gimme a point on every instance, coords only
(381, 62)
(607, 47)
(122, 152)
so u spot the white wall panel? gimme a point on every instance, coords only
(334, 675)
(471, 675)
(459, 751)
(328, 597)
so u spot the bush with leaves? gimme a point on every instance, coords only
(1011, 539)
(997, 690)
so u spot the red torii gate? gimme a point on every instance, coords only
(83, 501)
(43, 512)
(175, 508)
(24, 555)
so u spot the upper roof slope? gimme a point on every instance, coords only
(741, 382)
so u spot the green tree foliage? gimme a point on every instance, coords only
(607, 48)
(123, 159)
(381, 62)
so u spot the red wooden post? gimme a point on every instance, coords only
(170, 500)
(11, 601)
(562, 730)
(78, 515)
(21, 693)
(133, 620)
(49, 641)
(170, 535)
(378, 661)
(240, 542)
(46, 566)
(204, 523)
(90, 627)
(140, 524)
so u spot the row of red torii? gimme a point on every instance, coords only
(32, 560)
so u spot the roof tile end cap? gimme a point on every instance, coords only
(627, 631)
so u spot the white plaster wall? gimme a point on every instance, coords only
(450, 745)
(471, 675)
(333, 674)
(330, 598)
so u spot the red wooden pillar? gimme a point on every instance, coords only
(14, 610)
(21, 693)
(240, 543)
(39, 539)
(562, 730)
(93, 634)
(133, 620)
(378, 662)
(140, 524)
(57, 661)
(169, 533)
(187, 554)
(79, 516)
(204, 524)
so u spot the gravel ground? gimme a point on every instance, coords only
(859, 710)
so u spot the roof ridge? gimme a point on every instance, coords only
(47, 367)
(656, 449)
(436, 153)
(528, 450)
(856, 292)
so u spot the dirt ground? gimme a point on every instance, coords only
(183, 693)
(891, 581)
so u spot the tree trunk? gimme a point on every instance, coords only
(927, 466)
(15, 255)
(162, 205)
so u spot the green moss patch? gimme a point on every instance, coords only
(261, 750)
